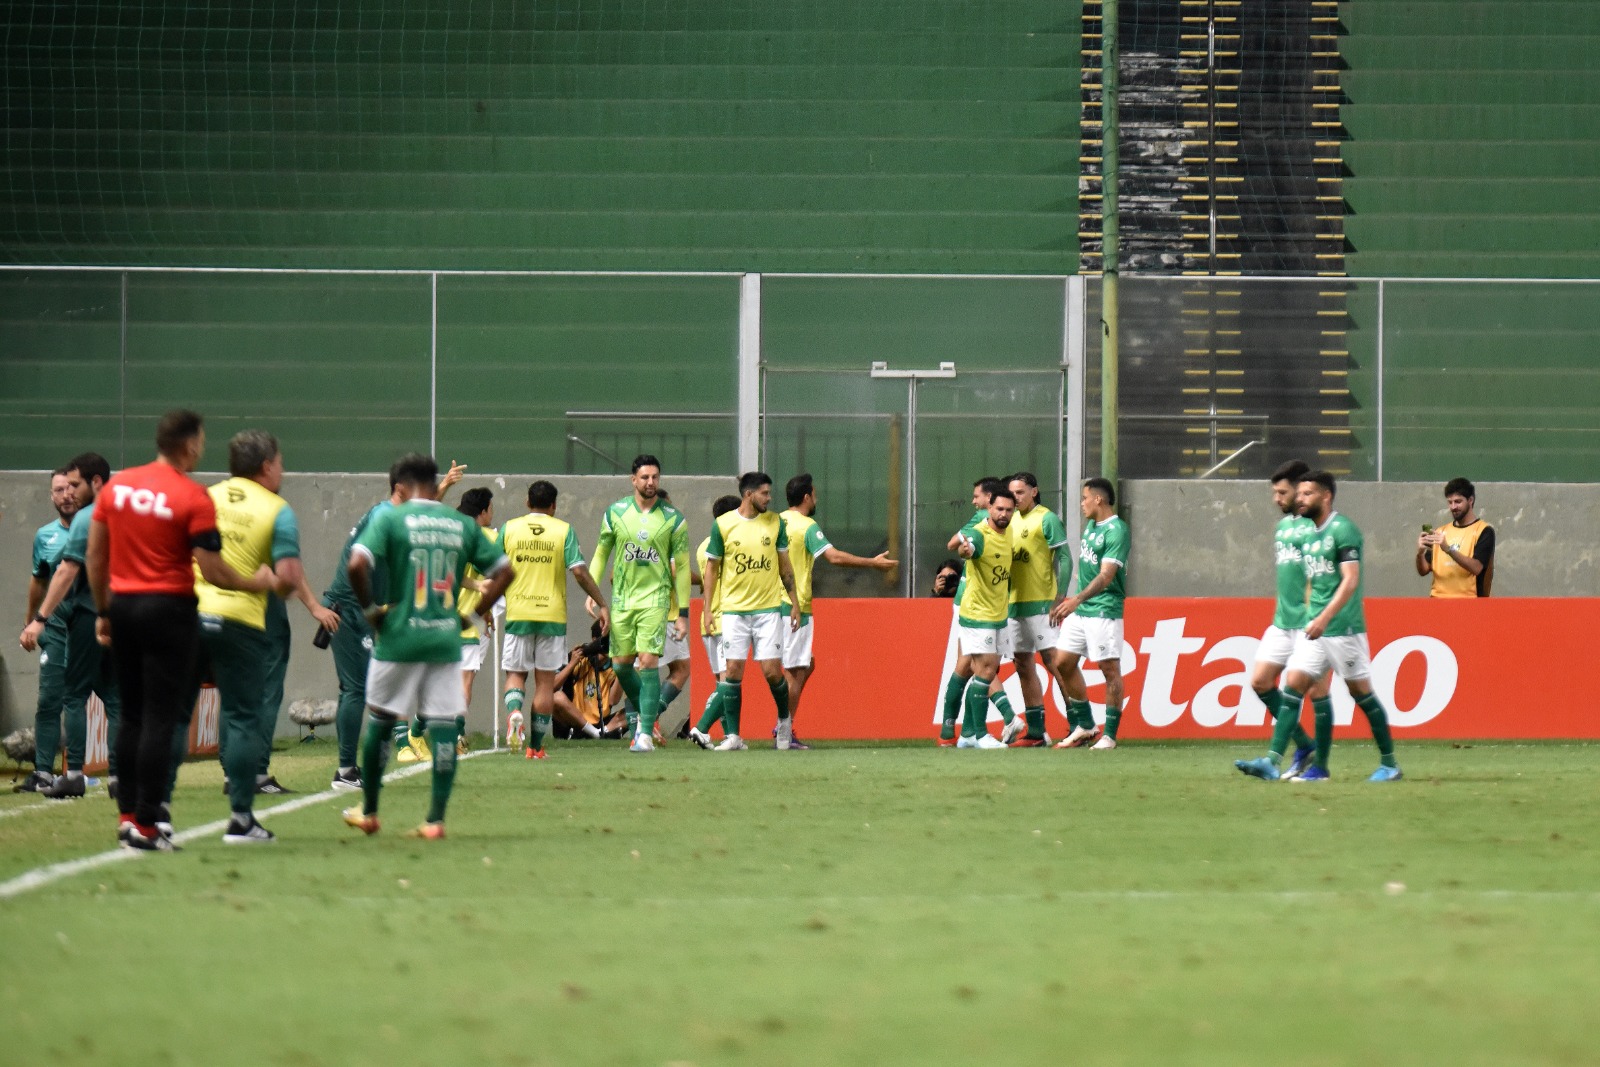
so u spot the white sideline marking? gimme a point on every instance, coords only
(6, 813)
(43, 876)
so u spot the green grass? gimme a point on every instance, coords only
(846, 905)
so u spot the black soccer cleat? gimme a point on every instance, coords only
(67, 787)
(272, 787)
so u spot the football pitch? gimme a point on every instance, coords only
(899, 904)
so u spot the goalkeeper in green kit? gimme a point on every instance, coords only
(647, 544)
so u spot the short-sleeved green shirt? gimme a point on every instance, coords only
(79, 597)
(425, 549)
(1286, 542)
(649, 555)
(1325, 550)
(1103, 541)
(339, 591)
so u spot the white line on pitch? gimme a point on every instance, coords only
(43, 876)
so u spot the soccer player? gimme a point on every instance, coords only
(152, 527)
(711, 631)
(982, 493)
(351, 644)
(1278, 642)
(675, 651)
(807, 544)
(477, 505)
(258, 529)
(544, 550)
(650, 572)
(48, 543)
(424, 549)
(1093, 615)
(747, 567)
(1334, 638)
(86, 668)
(982, 616)
(1040, 567)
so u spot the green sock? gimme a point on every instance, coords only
(669, 693)
(1035, 717)
(1080, 716)
(401, 731)
(1113, 719)
(780, 696)
(374, 754)
(953, 689)
(713, 710)
(416, 727)
(513, 702)
(461, 727)
(629, 677)
(442, 738)
(649, 704)
(730, 695)
(1285, 708)
(1322, 712)
(631, 713)
(1378, 720)
(1003, 704)
(538, 728)
(975, 722)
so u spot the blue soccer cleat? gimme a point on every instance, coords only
(1313, 773)
(1258, 768)
(1300, 763)
(1386, 774)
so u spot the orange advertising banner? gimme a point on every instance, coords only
(1440, 667)
(203, 730)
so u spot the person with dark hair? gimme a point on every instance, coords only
(477, 505)
(416, 659)
(807, 544)
(981, 616)
(48, 543)
(711, 631)
(544, 550)
(1041, 566)
(85, 668)
(351, 643)
(238, 648)
(1334, 638)
(747, 565)
(982, 494)
(1277, 644)
(946, 578)
(153, 526)
(587, 692)
(1459, 558)
(647, 543)
(1093, 615)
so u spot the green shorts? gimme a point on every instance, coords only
(635, 630)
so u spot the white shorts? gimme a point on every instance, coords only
(1277, 644)
(424, 690)
(1096, 640)
(981, 640)
(797, 643)
(713, 643)
(1347, 656)
(1032, 633)
(761, 635)
(533, 652)
(674, 649)
(472, 654)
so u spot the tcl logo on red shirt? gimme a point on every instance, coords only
(140, 501)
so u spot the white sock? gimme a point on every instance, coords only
(590, 730)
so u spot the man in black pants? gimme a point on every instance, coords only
(151, 525)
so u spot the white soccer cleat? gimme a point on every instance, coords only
(986, 741)
(699, 738)
(1104, 744)
(516, 734)
(784, 734)
(1014, 729)
(1080, 738)
(731, 743)
(642, 743)
(967, 742)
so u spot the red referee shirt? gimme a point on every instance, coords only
(155, 515)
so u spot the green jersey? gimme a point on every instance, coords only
(339, 591)
(1104, 542)
(1325, 549)
(48, 543)
(651, 568)
(425, 549)
(79, 597)
(977, 517)
(1286, 541)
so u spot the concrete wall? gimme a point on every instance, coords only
(327, 506)
(1212, 538)
(1190, 539)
